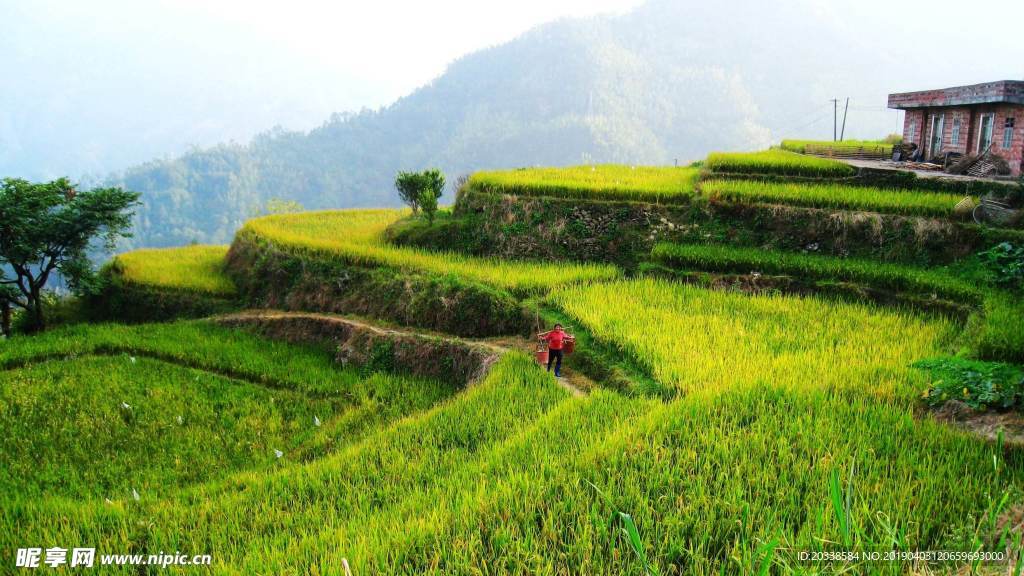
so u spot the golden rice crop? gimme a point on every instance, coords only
(500, 475)
(778, 163)
(599, 182)
(196, 268)
(693, 339)
(800, 146)
(355, 236)
(836, 196)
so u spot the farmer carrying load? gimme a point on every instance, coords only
(556, 343)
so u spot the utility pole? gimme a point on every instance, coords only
(835, 118)
(842, 134)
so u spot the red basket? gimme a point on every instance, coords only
(569, 345)
(542, 356)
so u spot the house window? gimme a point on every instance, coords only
(955, 137)
(912, 131)
(1008, 133)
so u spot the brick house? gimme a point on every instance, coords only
(966, 119)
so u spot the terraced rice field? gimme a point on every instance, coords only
(109, 411)
(514, 473)
(775, 424)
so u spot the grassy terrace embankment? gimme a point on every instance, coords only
(198, 269)
(570, 214)
(165, 283)
(337, 261)
(354, 237)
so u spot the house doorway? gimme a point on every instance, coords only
(985, 132)
(935, 144)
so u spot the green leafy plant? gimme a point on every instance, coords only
(978, 384)
(628, 529)
(1006, 262)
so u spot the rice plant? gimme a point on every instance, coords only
(738, 259)
(694, 339)
(355, 237)
(777, 163)
(800, 146)
(98, 411)
(994, 333)
(734, 477)
(834, 196)
(195, 268)
(600, 182)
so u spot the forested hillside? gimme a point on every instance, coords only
(664, 82)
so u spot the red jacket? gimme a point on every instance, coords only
(555, 339)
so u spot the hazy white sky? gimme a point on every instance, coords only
(77, 76)
(94, 85)
(308, 58)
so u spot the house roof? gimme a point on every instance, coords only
(1001, 92)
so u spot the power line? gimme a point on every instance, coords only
(805, 125)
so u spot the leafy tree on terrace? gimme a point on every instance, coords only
(420, 189)
(433, 188)
(409, 185)
(48, 227)
(429, 204)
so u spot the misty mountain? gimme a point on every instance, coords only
(667, 81)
